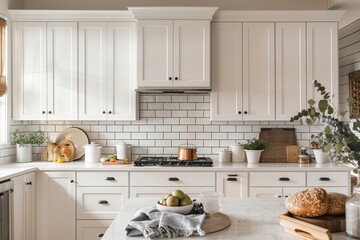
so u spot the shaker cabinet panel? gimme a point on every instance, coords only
(91, 229)
(232, 184)
(290, 69)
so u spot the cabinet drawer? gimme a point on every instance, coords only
(173, 179)
(232, 184)
(92, 229)
(160, 192)
(323, 179)
(102, 179)
(277, 179)
(100, 202)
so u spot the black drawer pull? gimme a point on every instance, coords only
(110, 179)
(101, 235)
(103, 202)
(232, 175)
(28, 183)
(324, 179)
(174, 179)
(231, 179)
(284, 179)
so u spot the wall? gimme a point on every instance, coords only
(228, 4)
(167, 120)
(349, 58)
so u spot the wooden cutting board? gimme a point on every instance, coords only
(276, 141)
(216, 222)
(116, 163)
(332, 223)
(292, 153)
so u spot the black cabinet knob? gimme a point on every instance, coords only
(239, 112)
(103, 112)
(245, 112)
(49, 112)
(43, 112)
(101, 235)
(176, 78)
(72, 181)
(28, 183)
(110, 112)
(170, 78)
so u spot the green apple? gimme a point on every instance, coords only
(167, 195)
(179, 194)
(185, 202)
(163, 201)
(187, 197)
(172, 201)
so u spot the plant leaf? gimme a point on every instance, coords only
(311, 102)
(301, 121)
(323, 104)
(308, 121)
(327, 147)
(330, 110)
(327, 130)
(338, 147)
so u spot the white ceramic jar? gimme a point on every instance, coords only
(123, 151)
(92, 152)
(224, 156)
(238, 153)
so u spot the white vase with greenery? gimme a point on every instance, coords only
(24, 142)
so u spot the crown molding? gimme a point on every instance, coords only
(193, 13)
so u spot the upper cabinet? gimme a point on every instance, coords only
(264, 69)
(45, 70)
(173, 51)
(107, 71)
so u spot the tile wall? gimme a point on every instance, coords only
(166, 121)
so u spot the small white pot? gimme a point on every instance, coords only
(225, 156)
(92, 152)
(238, 154)
(253, 156)
(320, 156)
(23, 153)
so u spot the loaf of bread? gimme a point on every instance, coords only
(336, 203)
(311, 202)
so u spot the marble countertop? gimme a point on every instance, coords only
(14, 169)
(251, 219)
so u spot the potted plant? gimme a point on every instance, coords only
(253, 149)
(320, 156)
(24, 142)
(340, 141)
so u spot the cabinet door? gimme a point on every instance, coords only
(155, 53)
(19, 208)
(290, 69)
(226, 93)
(56, 206)
(62, 71)
(265, 192)
(92, 229)
(92, 71)
(121, 75)
(29, 68)
(160, 192)
(30, 205)
(232, 184)
(258, 71)
(322, 58)
(192, 53)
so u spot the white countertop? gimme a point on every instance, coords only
(15, 169)
(251, 219)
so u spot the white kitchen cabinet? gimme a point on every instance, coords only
(45, 70)
(244, 74)
(91, 229)
(273, 192)
(24, 207)
(160, 192)
(232, 184)
(56, 206)
(173, 54)
(290, 69)
(322, 58)
(107, 71)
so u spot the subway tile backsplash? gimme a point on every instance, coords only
(166, 121)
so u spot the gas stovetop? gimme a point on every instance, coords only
(173, 162)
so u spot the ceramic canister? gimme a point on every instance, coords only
(92, 152)
(123, 151)
(225, 156)
(238, 153)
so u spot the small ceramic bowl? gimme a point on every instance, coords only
(177, 209)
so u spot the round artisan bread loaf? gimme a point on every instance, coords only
(311, 202)
(336, 203)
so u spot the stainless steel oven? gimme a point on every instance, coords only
(6, 209)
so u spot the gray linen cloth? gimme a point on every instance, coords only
(151, 223)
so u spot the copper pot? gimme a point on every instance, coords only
(187, 152)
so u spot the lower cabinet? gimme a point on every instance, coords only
(91, 229)
(158, 184)
(56, 206)
(232, 184)
(24, 207)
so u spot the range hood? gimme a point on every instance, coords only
(173, 90)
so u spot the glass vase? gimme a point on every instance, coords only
(352, 207)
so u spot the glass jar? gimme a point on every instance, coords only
(304, 157)
(352, 215)
(66, 152)
(212, 201)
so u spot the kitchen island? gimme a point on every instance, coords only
(251, 219)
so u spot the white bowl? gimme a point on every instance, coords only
(176, 209)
